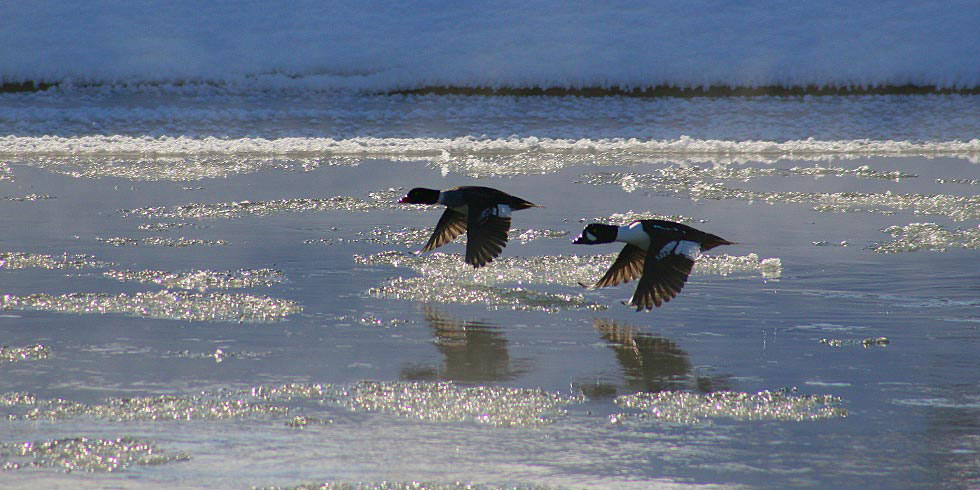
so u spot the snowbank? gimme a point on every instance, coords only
(397, 45)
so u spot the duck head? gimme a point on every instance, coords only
(420, 195)
(597, 233)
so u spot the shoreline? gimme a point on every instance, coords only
(650, 91)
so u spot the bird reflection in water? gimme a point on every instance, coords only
(473, 352)
(649, 363)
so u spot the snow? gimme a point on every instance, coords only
(392, 45)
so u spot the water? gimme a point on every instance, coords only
(210, 321)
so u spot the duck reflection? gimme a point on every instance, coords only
(473, 352)
(649, 363)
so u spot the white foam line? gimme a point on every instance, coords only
(25, 146)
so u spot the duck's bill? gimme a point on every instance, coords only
(403, 200)
(580, 240)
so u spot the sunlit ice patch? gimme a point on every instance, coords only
(191, 158)
(178, 168)
(85, 454)
(25, 260)
(682, 407)
(201, 280)
(625, 218)
(6, 175)
(435, 402)
(927, 236)
(156, 241)
(26, 353)
(378, 200)
(414, 237)
(445, 278)
(698, 187)
(678, 173)
(221, 405)
(497, 406)
(503, 283)
(165, 304)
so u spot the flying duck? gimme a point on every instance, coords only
(661, 253)
(483, 213)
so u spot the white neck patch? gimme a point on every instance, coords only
(634, 234)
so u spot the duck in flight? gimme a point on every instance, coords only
(661, 253)
(482, 212)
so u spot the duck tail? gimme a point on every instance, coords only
(711, 241)
(519, 204)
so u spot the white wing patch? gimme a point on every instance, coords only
(687, 248)
(500, 210)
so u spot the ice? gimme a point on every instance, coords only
(219, 355)
(205, 406)
(927, 236)
(866, 342)
(28, 197)
(408, 485)
(495, 406)
(625, 218)
(414, 237)
(22, 260)
(85, 454)
(723, 265)
(445, 278)
(30, 352)
(201, 280)
(673, 181)
(165, 304)
(239, 209)
(160, 242)
(695, 408)
(476, 156)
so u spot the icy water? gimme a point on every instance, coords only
(213, 319)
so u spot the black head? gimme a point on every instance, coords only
(597, 233)
(420, 195)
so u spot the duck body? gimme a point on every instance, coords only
(660, 253)
(482, 212)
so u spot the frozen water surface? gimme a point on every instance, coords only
(222, 291)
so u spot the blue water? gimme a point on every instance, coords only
(913, 405)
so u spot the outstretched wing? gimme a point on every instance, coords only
(486, 234)
(627, 266)
(450, 225)
(664, 274)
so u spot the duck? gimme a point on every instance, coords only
(660, 252)
(482, 212)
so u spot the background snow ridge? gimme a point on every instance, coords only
(392, 45)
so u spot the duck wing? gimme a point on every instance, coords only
(489, 194)
(450, 225)
(627, 266)
(664, 274)
(486, 233)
